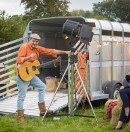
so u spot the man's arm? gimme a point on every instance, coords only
(52, 52)
(62, 52)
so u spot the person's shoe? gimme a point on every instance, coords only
(21, 116)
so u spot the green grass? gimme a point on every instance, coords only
(9, 123)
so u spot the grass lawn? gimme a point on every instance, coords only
(9, 123)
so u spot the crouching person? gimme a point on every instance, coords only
(125, 96)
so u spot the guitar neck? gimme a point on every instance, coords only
(48, 63)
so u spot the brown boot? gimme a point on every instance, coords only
(42, 109)
(21, 116)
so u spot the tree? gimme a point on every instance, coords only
(115, 10)
(87, 14)
(45, 8)
(11, 27)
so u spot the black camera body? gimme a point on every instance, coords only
(75, 29)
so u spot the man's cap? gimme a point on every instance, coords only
(35, 36)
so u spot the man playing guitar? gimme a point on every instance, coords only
(29, 52)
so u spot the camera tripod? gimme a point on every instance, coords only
(72, 65)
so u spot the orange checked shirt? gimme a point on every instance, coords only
(26, 50)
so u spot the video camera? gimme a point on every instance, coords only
(81, 31)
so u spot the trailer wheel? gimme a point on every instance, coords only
(116, 91)
(112, 88)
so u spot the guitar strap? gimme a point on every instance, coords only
(16, 68)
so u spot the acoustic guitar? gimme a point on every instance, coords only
(27, 70)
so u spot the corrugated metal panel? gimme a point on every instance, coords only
(105, 25)
(9, 105)
(126, 27)
(116, 26)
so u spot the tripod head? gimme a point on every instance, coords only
(76, 31)
(73, 57)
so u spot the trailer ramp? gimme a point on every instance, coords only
(9, 105)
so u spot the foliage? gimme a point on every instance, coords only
(45, 8)
(11, 27)
(115, 10)
(87, 14)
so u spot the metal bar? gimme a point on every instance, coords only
(7, 85)
(100, 57)
(8, 61)
(6, 56)
(83, 49)
(12, 42)
(112, 50)
(11, 90)
(6, 74)
(7, 80)
(6, 68)
(71, 91)
(79, 48)
(77, 44)
(122, 56)
(7, 96)
(8, 49)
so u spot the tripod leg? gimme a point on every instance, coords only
(56, 91)
(79, 100)
(86, 94)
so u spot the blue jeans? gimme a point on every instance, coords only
(23, 86)
(125, 96)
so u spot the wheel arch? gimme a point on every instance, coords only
(110, 86)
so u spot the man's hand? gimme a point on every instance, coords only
(68, 52)
(29, 57)
(32, 55)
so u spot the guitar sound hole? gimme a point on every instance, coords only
(27, 70)
(34, 68)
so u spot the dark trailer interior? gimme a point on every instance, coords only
(50, 31)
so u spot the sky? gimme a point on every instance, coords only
(13, 7)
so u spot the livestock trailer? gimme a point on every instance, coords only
(108, 55)
(108, 51)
